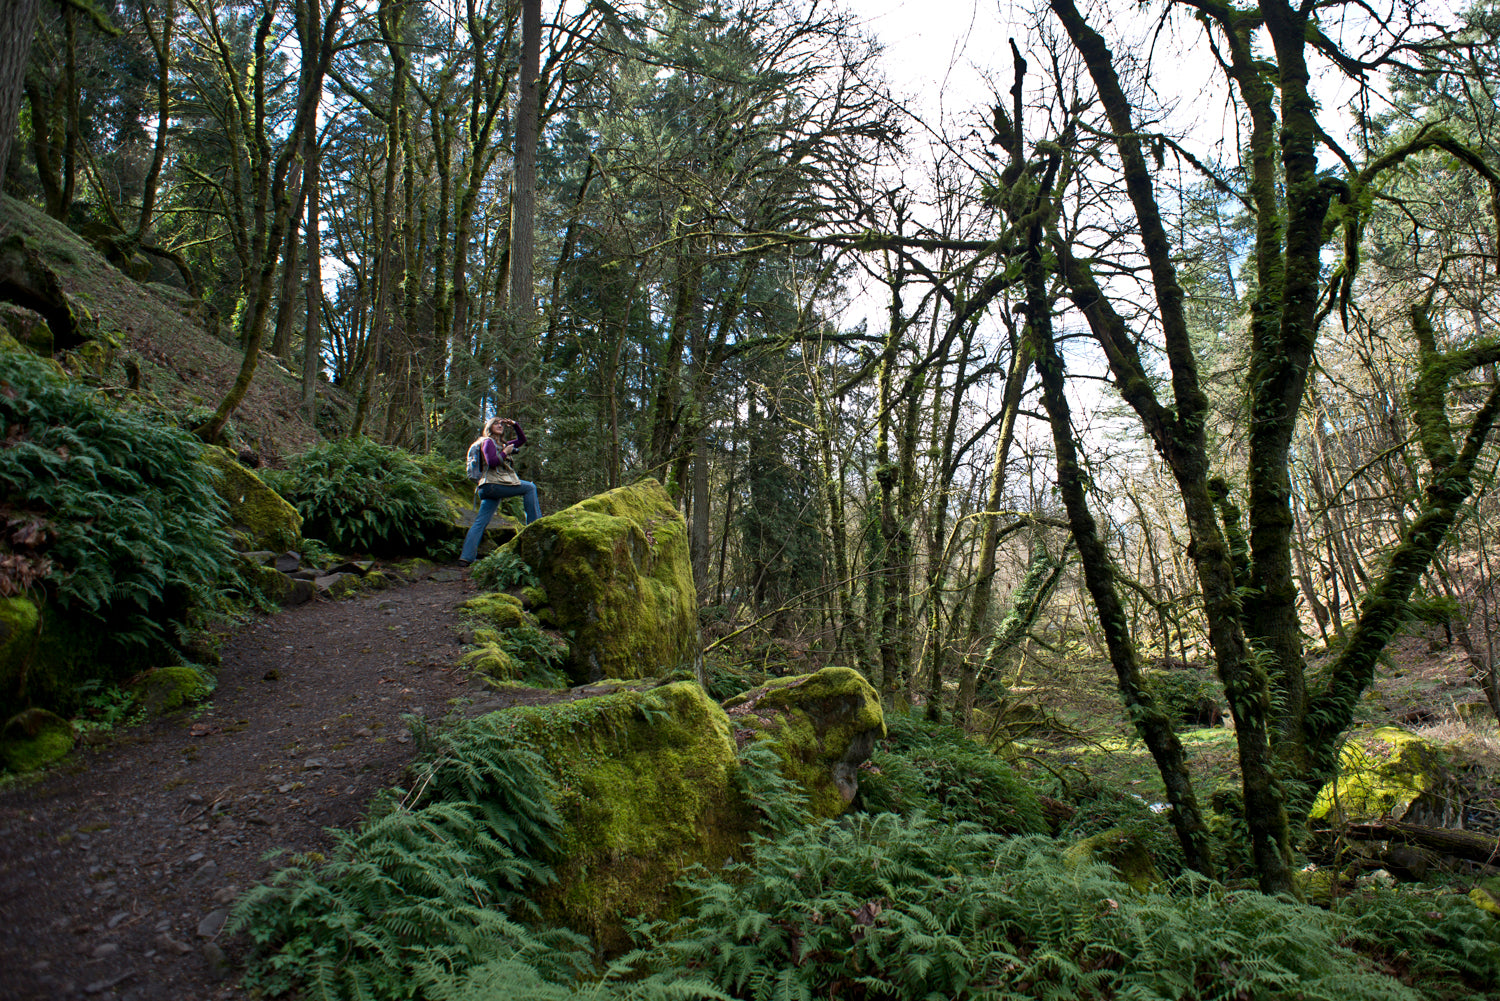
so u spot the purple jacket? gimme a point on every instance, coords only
(491, 451)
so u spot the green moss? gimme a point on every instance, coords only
(262, 515)
(168, 689)
(19, 619)
(1381, 773)
(34, 738)
(646, 791)
(1486, 896)
(1125, 851)
(65, 657)
(414, 568)
(823, 727)
(503, 611)
(270, 582)
(618, 582)
(492, 660)
(1317, 886)
(346, 585)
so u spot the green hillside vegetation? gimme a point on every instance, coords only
(433, 898)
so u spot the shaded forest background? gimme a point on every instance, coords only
(1132, 389)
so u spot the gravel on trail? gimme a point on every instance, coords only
(119, 866)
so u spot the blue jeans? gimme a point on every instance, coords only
(490, 496)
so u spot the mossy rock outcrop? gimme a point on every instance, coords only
(823, 727)
(34, 738)
(646, 790)
(257, 512)
(168, 689)
(497, 610)
(618, 583)
(1382, 772)
(1486, 896)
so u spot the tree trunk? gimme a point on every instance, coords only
(984, 580)
(161, 45)
(312, 339)
(17, 26)
(522, 349)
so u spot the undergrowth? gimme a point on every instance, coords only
(434, 881)
(109, 513)
(521, 653)
(503, 569)
(941, 772)
(430, 899)
(363, 497)
(912, 908)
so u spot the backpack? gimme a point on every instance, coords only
(474, 463)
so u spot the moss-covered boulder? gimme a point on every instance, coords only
(1382, 772)
(823, 726)
(168, 689)
(259, 514)
(1486, 896)
(497, 610)
(25, 329)
(1123, 849)
(618, 583)
(34, 738)
(646, 790)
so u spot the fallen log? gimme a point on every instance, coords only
(1482, 848)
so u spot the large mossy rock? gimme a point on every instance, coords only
(256, 511)
(618, 583)
(646, 790)
(34, 738)
(168, 689)
(1382, 772)
(1125, 850)
(823, 727)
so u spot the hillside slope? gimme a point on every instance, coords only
(147, 344)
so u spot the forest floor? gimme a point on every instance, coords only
(118, 867)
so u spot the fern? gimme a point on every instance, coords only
(503, 569)
(360, 496)
(781, 802)
(431, 883)
(895, 908)
(115, 506)
(940, 771)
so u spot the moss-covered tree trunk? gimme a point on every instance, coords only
(1178, 433)
(272, 208)
(984, 578)
(1150, 722)
(1449, 485)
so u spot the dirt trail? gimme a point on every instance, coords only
(118, 867)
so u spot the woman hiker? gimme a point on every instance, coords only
(498, 481)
